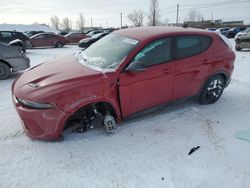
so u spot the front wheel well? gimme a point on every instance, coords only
(89, 111)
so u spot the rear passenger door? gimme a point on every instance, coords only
(192, 53)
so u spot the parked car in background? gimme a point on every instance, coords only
(11, 60)
(222, 31)
(18, 42)
(8, 36)
(85, 43)
(47, 39)
(232, 32)
(75, 37)
(88, 31)
(243, 41)
(242, 33)
(123, 73)
(92, 33)
(31, 33)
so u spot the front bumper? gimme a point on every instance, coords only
(40, 124)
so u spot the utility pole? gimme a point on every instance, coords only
(121, 19)
(91, 22)
(177, 16)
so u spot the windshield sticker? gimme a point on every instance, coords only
(130, 41)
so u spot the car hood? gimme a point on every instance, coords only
(54, 76)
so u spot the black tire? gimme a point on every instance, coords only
(59, 44)
(4, 71)
(212, 90)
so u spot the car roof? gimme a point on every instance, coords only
(143, 33)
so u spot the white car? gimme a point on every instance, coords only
(242, 33)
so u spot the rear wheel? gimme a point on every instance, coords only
(59, 44)
(4, 71)
(212, 90)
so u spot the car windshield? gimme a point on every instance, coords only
(107, 53)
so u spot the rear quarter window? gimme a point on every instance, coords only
(187, 46)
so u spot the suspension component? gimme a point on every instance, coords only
(109, 124)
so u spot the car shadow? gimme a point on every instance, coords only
(157, 111)
(149, 114)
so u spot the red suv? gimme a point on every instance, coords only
(123, 73)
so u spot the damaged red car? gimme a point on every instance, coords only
(123, 73)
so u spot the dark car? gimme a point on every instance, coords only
(123, 73)
(232, 32)
(75, 37)
(85, 43)
(92, 33)
(11, 60)
(31, 33)
(47, 39)
(8, 36)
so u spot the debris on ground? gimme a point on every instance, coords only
(244, 135)
(193, 150)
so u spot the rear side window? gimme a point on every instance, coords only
(187, 46)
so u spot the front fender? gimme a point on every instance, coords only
(70, 110)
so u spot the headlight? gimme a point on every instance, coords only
(34, 105)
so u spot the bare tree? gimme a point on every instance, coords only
(80, 22)
(154, 13)
(66, 24)
(136, 17)
(55, 22)
(194, 15)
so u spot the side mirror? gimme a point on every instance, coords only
(136, 66)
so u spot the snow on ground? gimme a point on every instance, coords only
(149, 150)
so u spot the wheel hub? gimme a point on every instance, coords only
(214, 89)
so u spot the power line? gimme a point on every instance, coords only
(204, 4)
(215, 5)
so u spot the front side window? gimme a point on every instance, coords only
(187, 46)
(155, 53)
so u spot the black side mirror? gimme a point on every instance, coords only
(136, 66)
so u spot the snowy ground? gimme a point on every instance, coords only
(150, 150)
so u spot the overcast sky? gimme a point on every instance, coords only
(107, 12)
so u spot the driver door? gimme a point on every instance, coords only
(152, 85)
